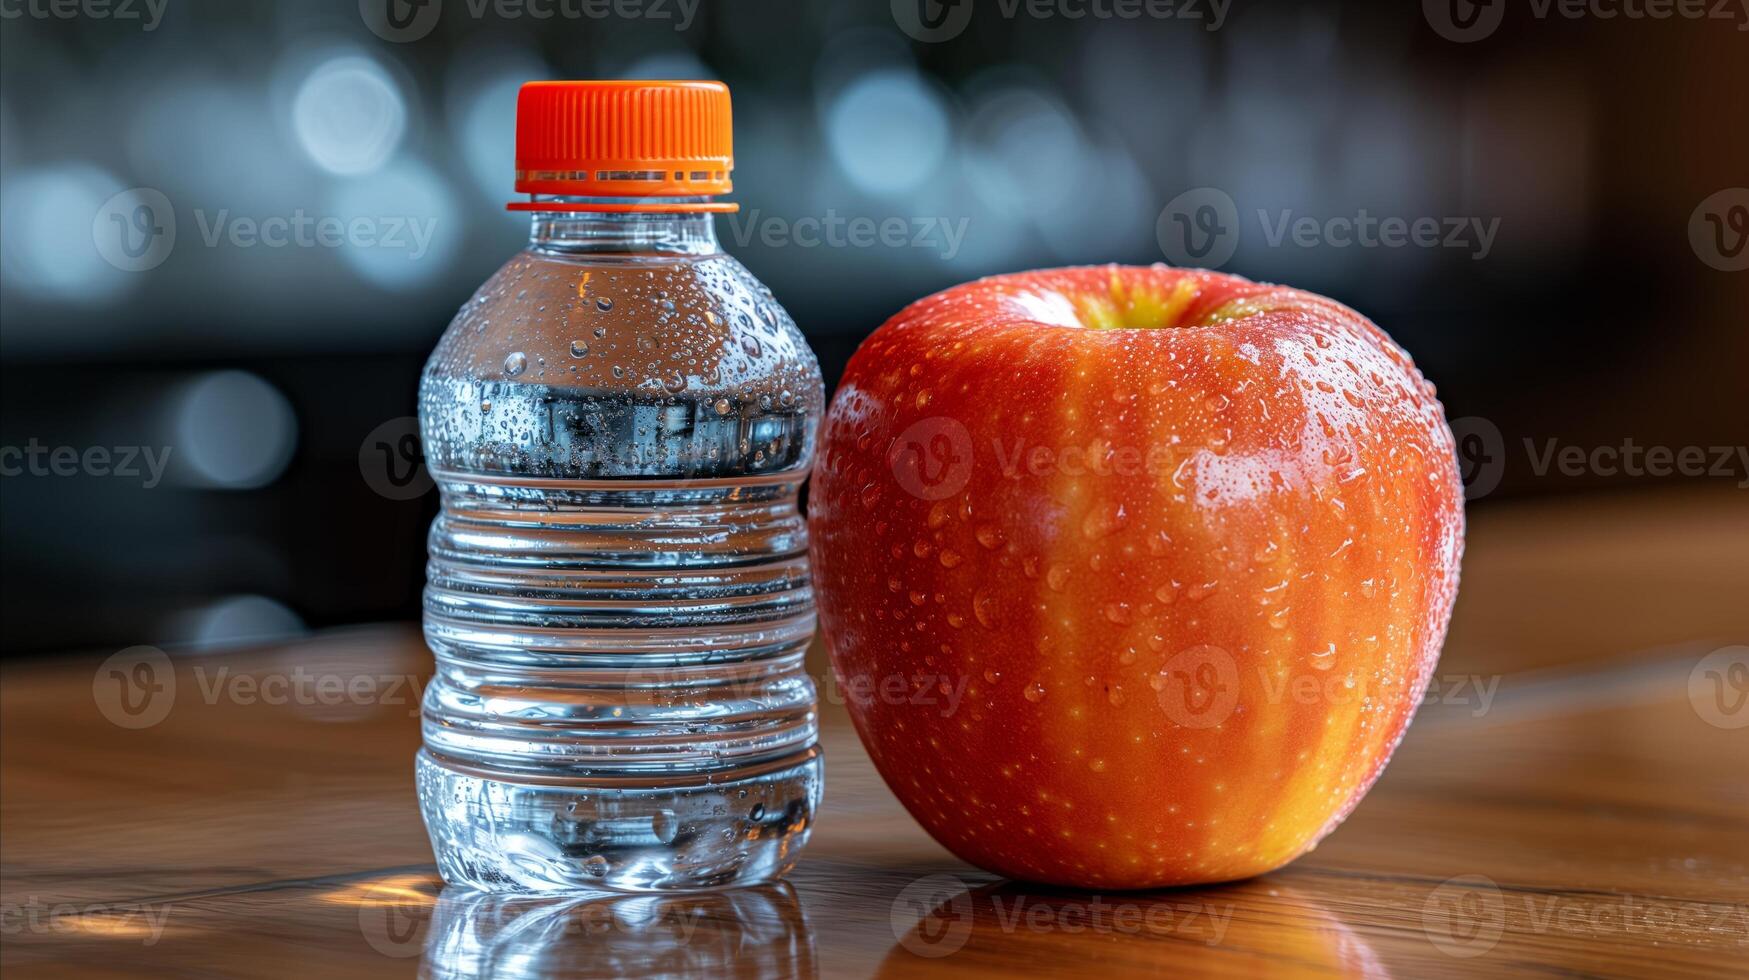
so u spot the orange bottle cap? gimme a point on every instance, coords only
(633, 139)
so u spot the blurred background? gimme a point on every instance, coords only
(231, 231)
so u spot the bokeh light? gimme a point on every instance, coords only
(349, 115)
(231, 430)
(888, 130)
(46, 244)
(1025, 153)
(234, 621)
(480, 96)
(208, 140)
(412, 220)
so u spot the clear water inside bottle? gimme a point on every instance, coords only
(618, 599)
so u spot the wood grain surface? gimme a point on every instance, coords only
(1572, 800)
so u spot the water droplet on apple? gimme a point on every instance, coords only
(1057, 576)
(984, 607)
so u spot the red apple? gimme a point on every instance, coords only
(1133, 577)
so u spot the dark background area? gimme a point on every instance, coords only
(1593, 146)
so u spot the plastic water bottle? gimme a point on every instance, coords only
(618, 596)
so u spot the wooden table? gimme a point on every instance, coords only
(1590, 818)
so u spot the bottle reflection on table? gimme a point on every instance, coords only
(744, 932)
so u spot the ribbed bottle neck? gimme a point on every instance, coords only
(573, 228)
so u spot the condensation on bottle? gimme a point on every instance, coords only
(618, 599)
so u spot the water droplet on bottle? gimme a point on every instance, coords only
(515, 363)
(579, 349)
(723, 407)
(665, 826)
(1035, 692)
(604, 304)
